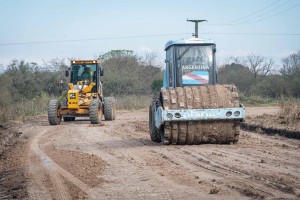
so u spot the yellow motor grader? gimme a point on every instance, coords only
(85, 96)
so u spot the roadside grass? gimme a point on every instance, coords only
(290, 111)
(39, 105)
(133, 102)
(290, 107)
(24, 108)
(265, 101)
(259, 101)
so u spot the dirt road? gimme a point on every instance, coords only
(117, 160)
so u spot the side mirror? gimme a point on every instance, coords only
(94, 75)
(102, 72)
(60, 83)
(67, 73)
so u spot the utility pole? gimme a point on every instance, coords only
(196, 21)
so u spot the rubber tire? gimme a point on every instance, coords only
(154, 132)
(114, 108)
(95, 111)
(109, 108)
(53, 117)
(64, 102)
(69, 119)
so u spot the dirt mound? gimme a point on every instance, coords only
(290, 113)
(8, 136)
(81, 165)
(272, 125)
(13, 161)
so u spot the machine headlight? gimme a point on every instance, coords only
(236, 113)
(72, 96)
(169, 115)
(177, 115)
(229, 113)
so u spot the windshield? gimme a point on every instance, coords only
(194, 64)
(83, 72)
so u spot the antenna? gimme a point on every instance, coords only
(196, 21)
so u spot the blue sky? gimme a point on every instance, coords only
(58, 20)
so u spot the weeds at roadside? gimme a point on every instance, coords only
(24, 108)
(290, 111)
(133, 102)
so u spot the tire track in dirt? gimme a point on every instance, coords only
(222, 169)
(136, 168)
(213, 171)
(127, 158)
(176, 157)
(170, 173)
(55, 171)
(47, 163)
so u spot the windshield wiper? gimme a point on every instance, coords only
(184, 52)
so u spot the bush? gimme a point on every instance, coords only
(236, 74)
(273, 86)
(128, 74)
(258, 100)
(35, 106)
(290, 110)
(133, 102)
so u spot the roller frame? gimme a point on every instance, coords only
(162, 116)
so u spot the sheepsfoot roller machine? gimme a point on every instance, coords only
(191, 107)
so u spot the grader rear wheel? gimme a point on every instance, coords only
(95, 111)
(53, 112)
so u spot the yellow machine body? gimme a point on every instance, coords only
(80, 92)
(84, 97)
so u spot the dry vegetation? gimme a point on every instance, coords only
(27, 87)
(290, 111)
(24, 108)
(133, 102)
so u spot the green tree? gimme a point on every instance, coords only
(128, 74)
(236, 74)
(117, 54)
(273, 86)
(291, 72)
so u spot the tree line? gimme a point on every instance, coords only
(128, 74)
(260, 76)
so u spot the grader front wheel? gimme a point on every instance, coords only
(95, 111)
(53, 112)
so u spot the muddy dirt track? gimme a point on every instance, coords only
(117, 160)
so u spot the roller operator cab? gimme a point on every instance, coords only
(84, 97)
(189, 63)
(191, 107)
